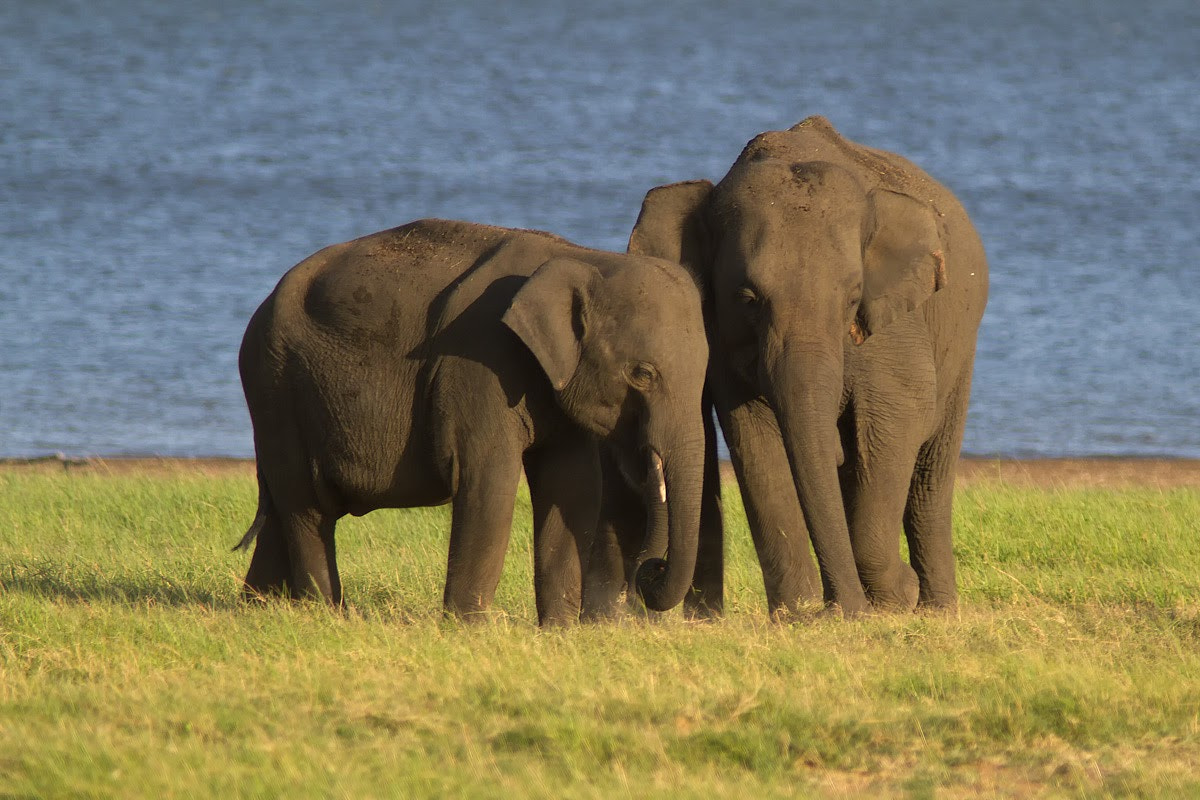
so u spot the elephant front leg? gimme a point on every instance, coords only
(480, 526)
(777, 525)
(564, 487)
(875, 487)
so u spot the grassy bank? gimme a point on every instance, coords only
(129, 668)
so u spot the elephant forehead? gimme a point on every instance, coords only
(660, 326)
(781, 186)
(653, 328)
(658, 285)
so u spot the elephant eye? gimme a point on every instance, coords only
(641, 375)
(746, 296)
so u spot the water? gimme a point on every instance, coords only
(163, 163)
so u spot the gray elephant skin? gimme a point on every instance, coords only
(844, 289)
(434, 363)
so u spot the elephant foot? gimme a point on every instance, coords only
(797, 601)
(564, 611)
(852, 604)
(470, 617)
(608, 612)
(702, 613)
(626, 605)
(603, 602)
(848, 611)
(258, 587)
(255, 594)
(699, 607)
(267, 576)
(898, 592)
(801, 612)
(944, 603)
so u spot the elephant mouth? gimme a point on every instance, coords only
(646, 474)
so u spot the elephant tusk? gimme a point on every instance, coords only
(657, 464)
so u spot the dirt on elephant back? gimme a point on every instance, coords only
(1161, 473)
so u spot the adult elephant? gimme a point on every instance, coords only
(845, 287)
(433, 362)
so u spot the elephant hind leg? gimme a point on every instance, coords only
(928, 516)
(876, 507)
(295, 542)
(313, 557)
(270, 569)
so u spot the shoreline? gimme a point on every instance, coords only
(1098, 471)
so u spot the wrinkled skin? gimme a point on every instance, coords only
(433, 363)
(844, 290)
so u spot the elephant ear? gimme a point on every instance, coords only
(549, 314)
(903, 261)
(672, 225)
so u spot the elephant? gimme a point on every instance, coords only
(844, 289)
(432, 363)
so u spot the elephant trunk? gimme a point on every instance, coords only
(673, 492)
(657, 517)
(807, 388)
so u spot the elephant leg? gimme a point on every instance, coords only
(620, 533)
(564, 487)
(777, 524)
(480, 526)
(270, 569)
(707, 598)
(928, 517)
(874, 488)
(310, 543)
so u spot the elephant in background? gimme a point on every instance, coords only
(431, 363)
(844, 290)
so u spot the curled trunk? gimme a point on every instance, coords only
(662, 584)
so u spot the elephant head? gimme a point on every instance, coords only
(808, 247)
(622, 342)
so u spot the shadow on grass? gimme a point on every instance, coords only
(49, 584)
(54, 583)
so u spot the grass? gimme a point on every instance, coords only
(129, 668)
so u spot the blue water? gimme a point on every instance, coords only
(163, 163)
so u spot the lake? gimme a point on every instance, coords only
(163, 163)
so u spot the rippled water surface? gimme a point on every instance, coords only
(163, 163)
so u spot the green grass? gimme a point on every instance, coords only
(129, 668)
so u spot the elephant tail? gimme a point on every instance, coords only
(260, 516)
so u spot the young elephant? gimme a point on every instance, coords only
(432, 362)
